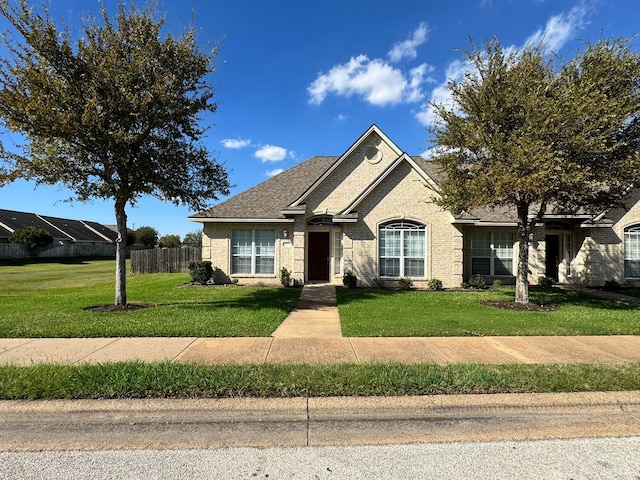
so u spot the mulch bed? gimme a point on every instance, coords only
(129, 307)
(522, 307)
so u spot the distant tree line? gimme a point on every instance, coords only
(35, 237)
(149, 238)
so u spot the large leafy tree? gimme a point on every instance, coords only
(531, 132)
(112, 112)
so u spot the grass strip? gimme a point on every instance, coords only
(171, 380)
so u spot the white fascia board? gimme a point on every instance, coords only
(96, 232)
(240, 220)
(383, 176)
(58, 229)
(373, 128)
(7, 227)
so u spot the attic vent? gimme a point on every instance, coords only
(320, 221)
(373, 155)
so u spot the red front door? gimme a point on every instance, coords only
(319, 256)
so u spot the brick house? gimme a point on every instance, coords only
(370, 211)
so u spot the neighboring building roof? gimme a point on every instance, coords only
(61, 229)
(13, 221)
(105, 230)
(76, 229)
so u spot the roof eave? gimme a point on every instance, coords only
(239, 220)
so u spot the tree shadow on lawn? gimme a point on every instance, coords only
(257, 299)
(21, 262)
(541, 299)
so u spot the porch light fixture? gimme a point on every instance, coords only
(285, 234)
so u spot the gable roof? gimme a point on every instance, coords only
(372, 129)
(266, 200)
(280, 197)
(418, 164)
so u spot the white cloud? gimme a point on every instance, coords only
(374, 80)
(271, 153)
(441, 95)
(341, 117)
(235, 143)
(273, 173)
(407, 49)
(561, 28)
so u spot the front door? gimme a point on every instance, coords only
(318, 256)
(552, 256)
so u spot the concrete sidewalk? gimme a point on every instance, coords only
(596, 349)
(311, 334)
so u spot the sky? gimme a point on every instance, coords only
(296, 79)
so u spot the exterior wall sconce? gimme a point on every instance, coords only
(531, 237)
(285, 233)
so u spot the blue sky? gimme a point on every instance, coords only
(297, 79)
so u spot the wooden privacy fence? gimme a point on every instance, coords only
(10, 250)
(164, 260)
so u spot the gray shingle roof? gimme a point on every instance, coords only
(267, 199)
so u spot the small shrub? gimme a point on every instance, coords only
(285, 277)
(435, 284)
(546, 282)
(476, 281)
(497, 283)
(32, 237)
(200, 272)
(349, 280)
(404, 283)
(378, 283)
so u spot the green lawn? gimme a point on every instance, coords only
(177, 380)
(48, 300)
(373, 313)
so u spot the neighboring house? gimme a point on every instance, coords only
(64, 231)
(371, 212)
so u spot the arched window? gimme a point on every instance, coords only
(320, 221)
(632, 252)
(557, 225)
(402, 249)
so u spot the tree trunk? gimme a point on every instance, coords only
(121, 253)
(522, 277)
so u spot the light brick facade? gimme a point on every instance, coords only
(374, 183)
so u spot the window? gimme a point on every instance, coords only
(632, 252)
(320, 221)
(253, 252)
(568, 248)
(492, 253)
(402, 249)
(337, 252)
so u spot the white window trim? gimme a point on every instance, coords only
(494, 255)
(254, 256)
(411, 226)
(337, 248)
(629, 232)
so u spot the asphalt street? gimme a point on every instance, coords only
(602, 458)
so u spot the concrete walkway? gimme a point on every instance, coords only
(315, 316)
(311, 334)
